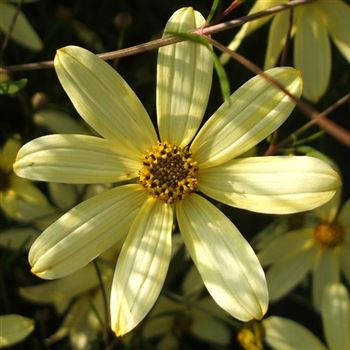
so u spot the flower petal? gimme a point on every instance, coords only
(286, 244)
(74, 159)
(284, 334)
(228, 265)
(8, 154)
(336, 317)
(14, 328)
(344, 215)
(18, 238)
(277, 38)
(252, 113)
(105, 100)
(336, 15)
(142, 266)
(184, 73)
(329, 211)
(288, 272)
(250, 26)
(312, 53)
(326, 271)
(274, 185)
(85, 231)
(23, 33)
(345, 261)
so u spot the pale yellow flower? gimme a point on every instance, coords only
(313, 26)
(23, 33)
(320, 246)
(285, 334)
(13, 329)
(19, 198)
(167, 174)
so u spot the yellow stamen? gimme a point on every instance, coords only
(169, 172)
(329, 235)
(251, 336)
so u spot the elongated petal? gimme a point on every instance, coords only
(18, 238)
(287, 273)
(228, 265)
(277, 38)
(344, 216)
(14, 328)
(8, 153)
(62, 291)
(312, 53)
(85, 232)
(286, 244)
(23, 33)
(184, 73)
(105, 100)
(326, 272)
(142, 266)
(252, 113)
(251, 26)
(345, 261)
(275, 185)
(336, 317)
(328, 211)
(284, 334)
(74, 159)
(336, 15)
(58, 122)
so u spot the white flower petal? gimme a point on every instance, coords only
(312, 53)
(326, 271)
(105, 100)
(287, 244)
(252, 113)
(14, 328)
(284, 334)
(336, 317)
(277, 38)
(274, 185)
(228, 265)
(74, 159)
(184, 73)
(142, 266)
(287, 273)
(336, 15)
(85, 231)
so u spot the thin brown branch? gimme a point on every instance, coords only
(154, 44)
(329, 126)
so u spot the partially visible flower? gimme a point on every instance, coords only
(313, 24)
(14, 329)
(19, 198)
(320, 246)
(167, 173)
(285, 334)
(23, 33)
(199, 316)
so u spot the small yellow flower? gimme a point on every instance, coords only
(19, 198)
(313, 24)
(167, 173)
(321, 245)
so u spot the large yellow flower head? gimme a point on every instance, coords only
(168, 173)
(313, 26)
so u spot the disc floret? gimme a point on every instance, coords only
(169, 172)
(329, 235)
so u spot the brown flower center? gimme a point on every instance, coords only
(329, 235)
(169, 172)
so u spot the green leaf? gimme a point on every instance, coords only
(12, 87)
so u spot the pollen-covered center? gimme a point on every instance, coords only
(329, 235)
(169, 172)
(4, 180)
